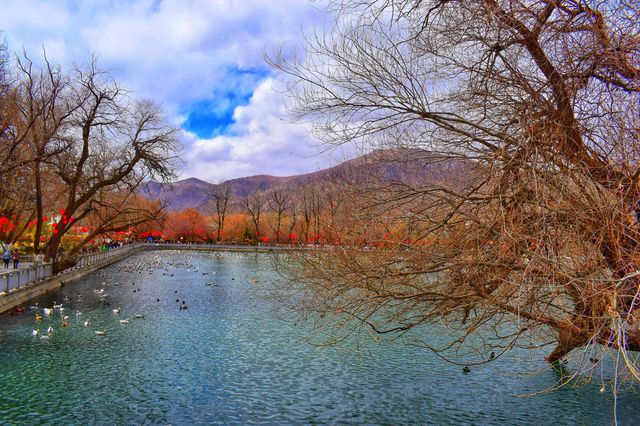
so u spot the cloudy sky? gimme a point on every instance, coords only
(202, 59)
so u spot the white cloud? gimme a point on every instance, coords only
(180, 53)
(259, 142)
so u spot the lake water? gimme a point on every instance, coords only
(227, 359)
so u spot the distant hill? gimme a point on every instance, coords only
(386, 166)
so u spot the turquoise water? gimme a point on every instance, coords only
(227, 359)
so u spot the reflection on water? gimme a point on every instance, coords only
(226, 359)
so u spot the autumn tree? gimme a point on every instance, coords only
(118, 212)
(186, 225)
(535, 243)
(219, 196)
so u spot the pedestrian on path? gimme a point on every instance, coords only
(38, 259)
(16, 258)
(6, 257)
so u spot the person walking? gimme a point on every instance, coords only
(16, 258)
(6, 257)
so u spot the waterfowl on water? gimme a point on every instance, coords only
(57, 305)
(101, 333)
(124, 321)
(139, 316)
(116, 310)
(466, 369)
(49, 330)
(35, 332)
(86, 323)
(492, 355)
(47, 311)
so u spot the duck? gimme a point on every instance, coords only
(100, 333)
(116, 310)
(44, 337)
(124, 321)
(139, 316)
(47, 311)
(466, 369)
(35, 332)
(86, 323)
(49, 330)
(57, 305)
(492, 355)
(38, 317)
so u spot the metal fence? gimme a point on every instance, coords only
(19, 278)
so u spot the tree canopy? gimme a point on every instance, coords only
(535, 104)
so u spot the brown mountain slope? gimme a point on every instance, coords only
(387, 166)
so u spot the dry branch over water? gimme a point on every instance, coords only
(534, 239)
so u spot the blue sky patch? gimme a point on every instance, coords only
(212, 117)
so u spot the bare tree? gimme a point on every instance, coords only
(278, 202)
(254, 204)
(219, 196)
(43, 107)
(537, 105)
(293, 219)
(308, 210)
(111, 143)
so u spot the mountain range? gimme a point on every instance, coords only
(384, 165)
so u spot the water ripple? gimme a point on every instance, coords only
(226, 360)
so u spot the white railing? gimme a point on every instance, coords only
(23, 277)
(20, 278)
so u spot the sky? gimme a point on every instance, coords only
(203, 60)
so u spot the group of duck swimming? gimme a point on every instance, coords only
(58, 307)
